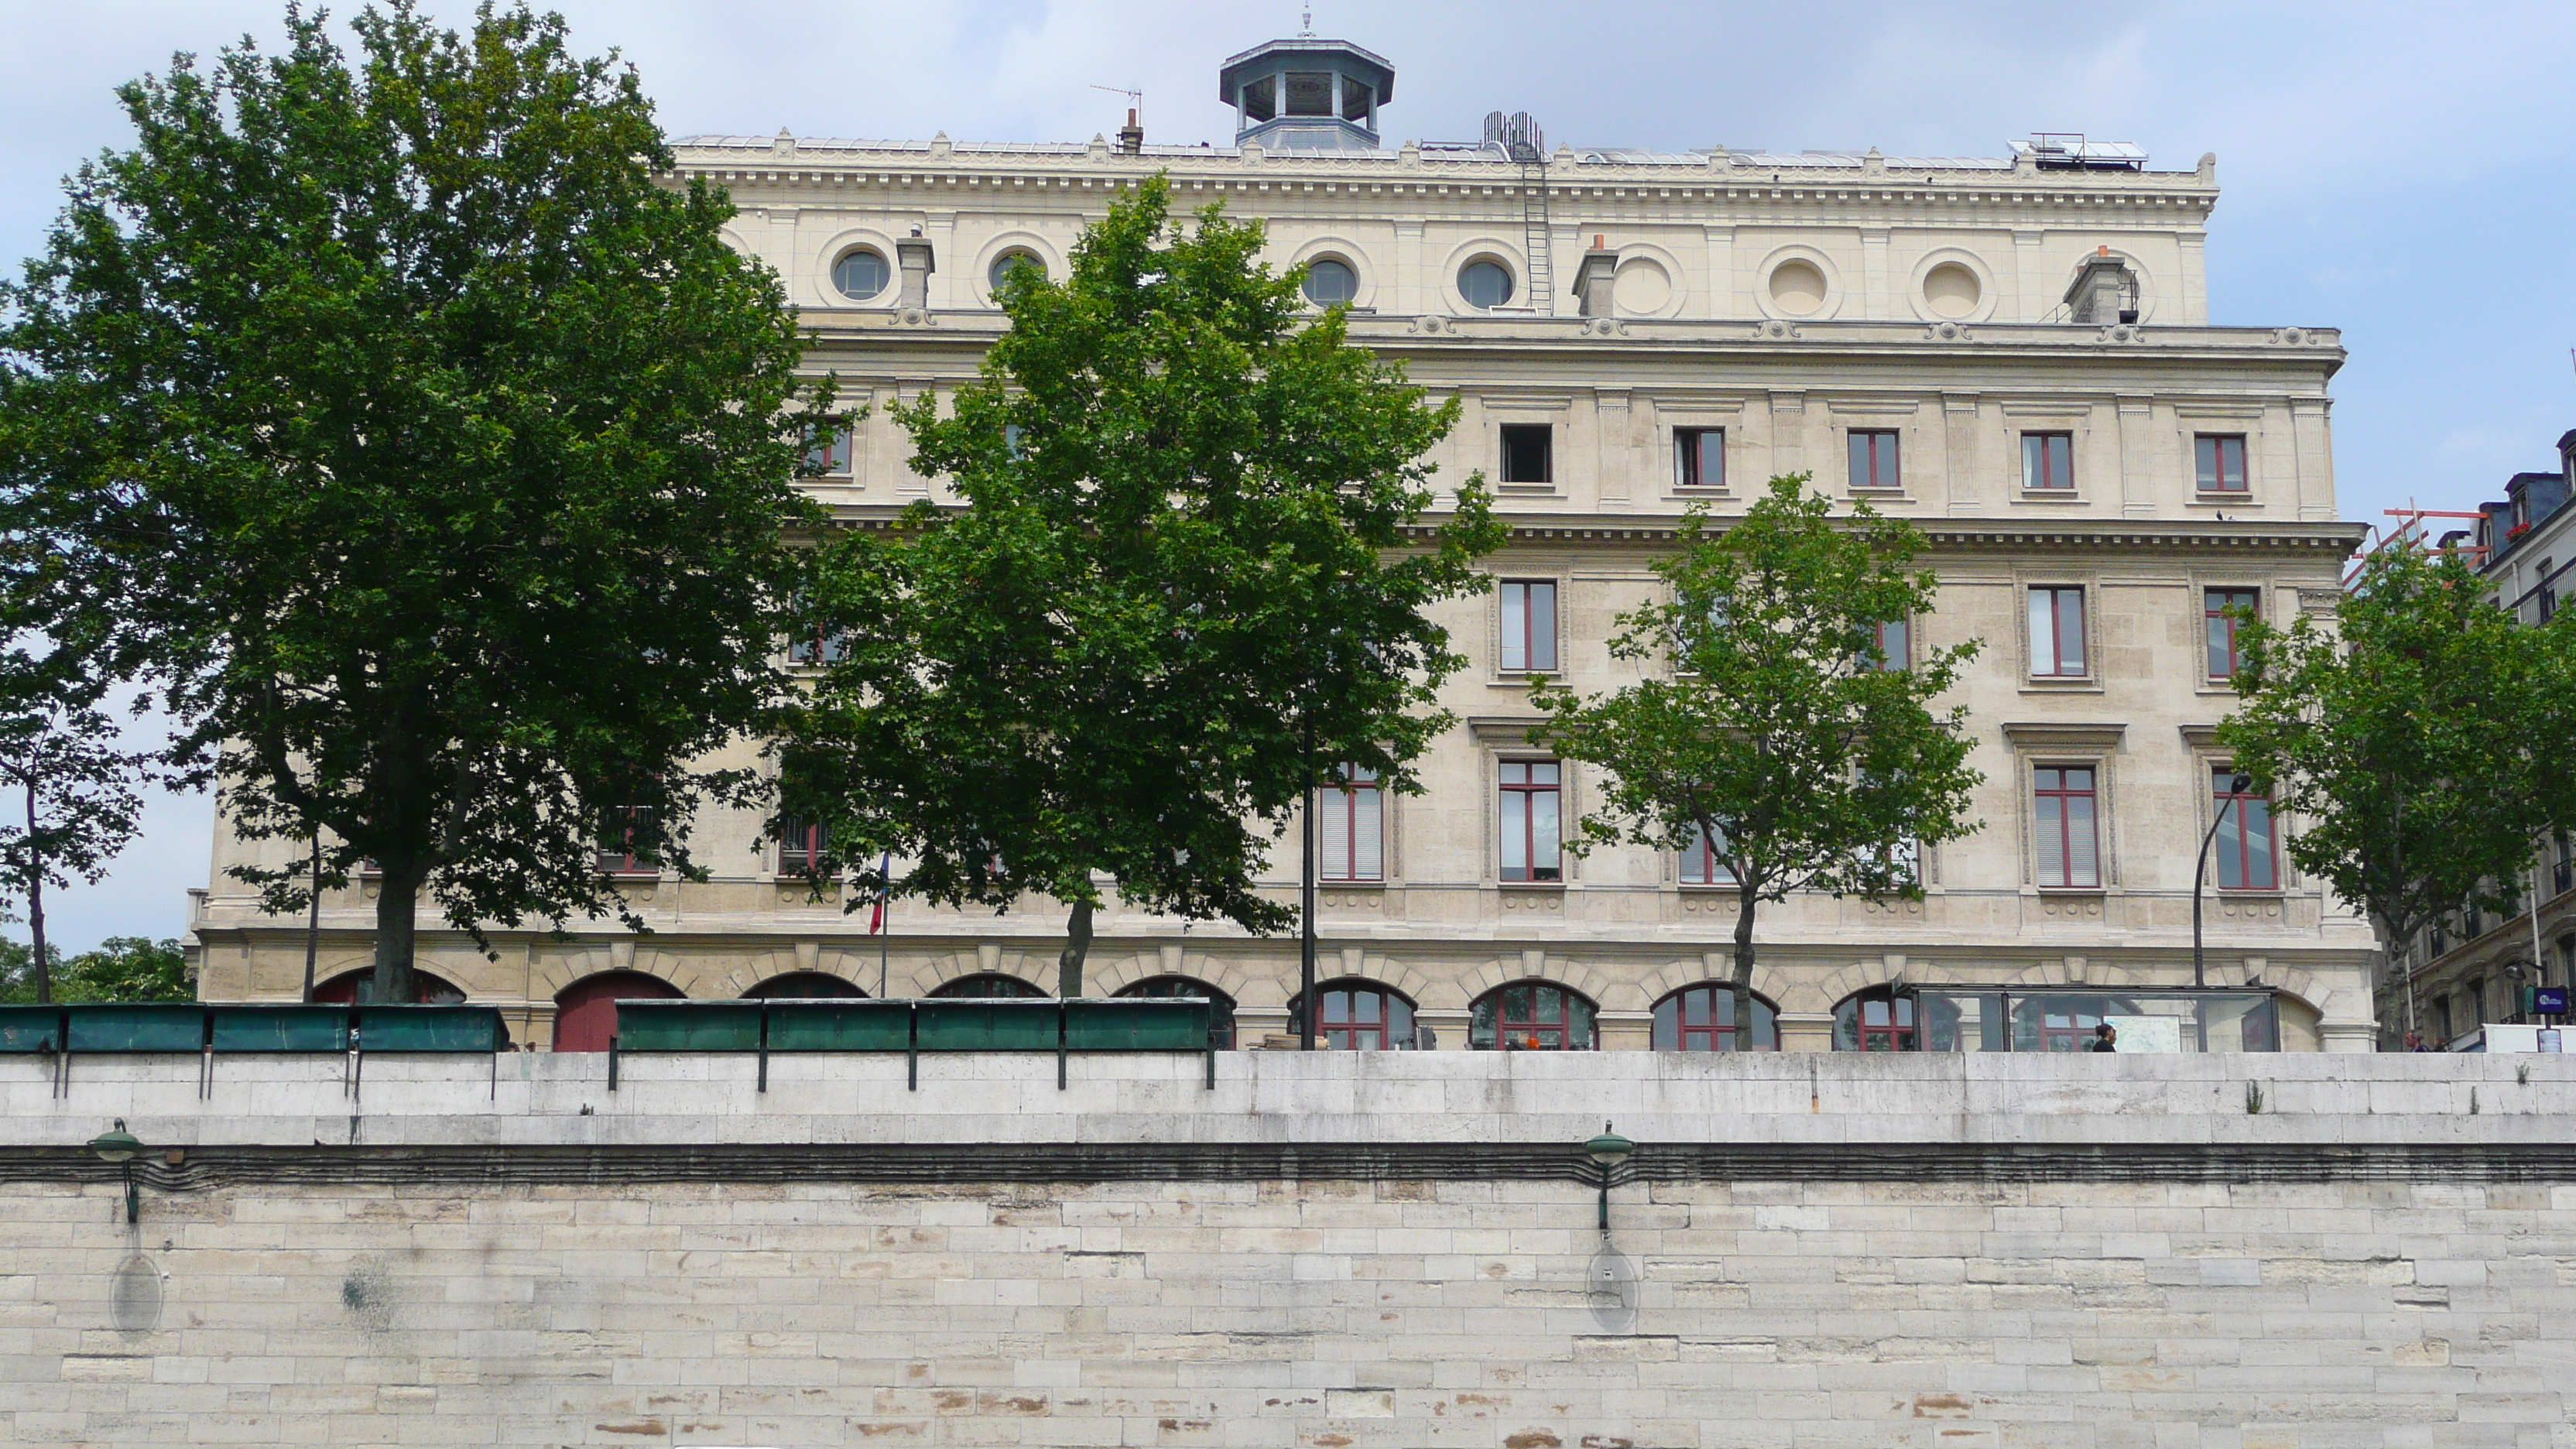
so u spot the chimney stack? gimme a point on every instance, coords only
(1593, 277)
(913, 257)
(1131, 137)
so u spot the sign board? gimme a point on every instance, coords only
(2549, 1000)
(2147, 1033)
(2549, 1040)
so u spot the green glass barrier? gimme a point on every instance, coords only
(281, 1028)
(1169, 1024)
(31, 1029)
(688, 1026)
(840, 1026)
(986, 1026)
(430, 1029)
(134, 1027)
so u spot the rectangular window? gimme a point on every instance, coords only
(626, 841)
(2057, 632)
(1261, 98)
(1356, 100)
(1529, 453)
(828, 453)
(1701, 453)
(819, 648)
(1890, 644)
(1529, 625)
(2070, 853)
(2222, 462)
(1873, 459)
(800, 845)
(2548, 602)
(2562, 872)
(1701, 863)
(2048, 462)
(1350, 831)
(2221, 629)
(1529, 820)
(1310, 93)
(2248, 857)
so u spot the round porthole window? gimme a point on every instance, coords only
(1951, 290)
(1007, 263)
(1797, 287)
(1330, 282)
(861, 274)
(1485, 283)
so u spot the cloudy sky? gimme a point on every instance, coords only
(2398, 171)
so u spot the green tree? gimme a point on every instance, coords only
(76, 782)
(1785, 737)
(2412, 742)
(1186, 569)
(425, 450)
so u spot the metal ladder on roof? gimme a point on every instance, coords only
(1535, 241)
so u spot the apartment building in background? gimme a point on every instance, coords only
(2012, 351)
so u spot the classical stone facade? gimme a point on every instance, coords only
(1343, 1251)
(2014, 353)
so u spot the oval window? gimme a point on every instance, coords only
(1485, 283)
(861, 274)
(1797, 287)
(1330, 282)
(1005, 264)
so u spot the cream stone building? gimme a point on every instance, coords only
(2014, 352)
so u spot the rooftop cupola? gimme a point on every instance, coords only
(1307, 94)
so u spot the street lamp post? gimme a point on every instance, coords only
(1607, 1151)
(121, 1147)
(2236, 786)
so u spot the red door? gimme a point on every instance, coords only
(586, 1011)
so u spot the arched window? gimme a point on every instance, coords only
(358, 988)
(1485, 283)
(586, 1011)
(1221, 1006)
(1701, 1018)
(803, 985)
(861, 273)
(1330, 282)
(986, 986)
(1531, 1016)
(1875, 1020)
(1358, 1015)
(999, 276)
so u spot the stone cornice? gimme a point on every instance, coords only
(2328, 540)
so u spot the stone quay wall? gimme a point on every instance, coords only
(1342, 1250)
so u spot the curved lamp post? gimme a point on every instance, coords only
(1607, 1151)
(121, 1147)
(2237, 785)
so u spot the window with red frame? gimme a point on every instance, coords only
(1876, 1020)
(627, 841)
(1350, 828)
(1890, 643)
(828, 451)
(1701, 862)
(2221, 459)
(2249, 858)
(1873, 460)
(2222, 626)
(2057, 632)
(819, 648)
(1702, 1019)
(2063, 801)
(1530, 790)
(800, 845)
(1701, 454)
(1357, 1016)
(1531, 1016)
(1529, 624)
(2048, 462)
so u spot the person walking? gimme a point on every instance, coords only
(2106, 1038)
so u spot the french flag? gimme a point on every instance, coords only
(876, 917)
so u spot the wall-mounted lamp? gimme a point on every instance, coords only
(122, 1147)
(1607, 1151)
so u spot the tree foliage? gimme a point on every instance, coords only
(1783, 736)
(122, 968)
(1185, 568)
(76, 786)
(2419, 743)
(426, 451)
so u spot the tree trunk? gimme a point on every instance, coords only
(1746, 898)
(396, 904)
(313, 916)
(1077, 945)
(36, 904)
